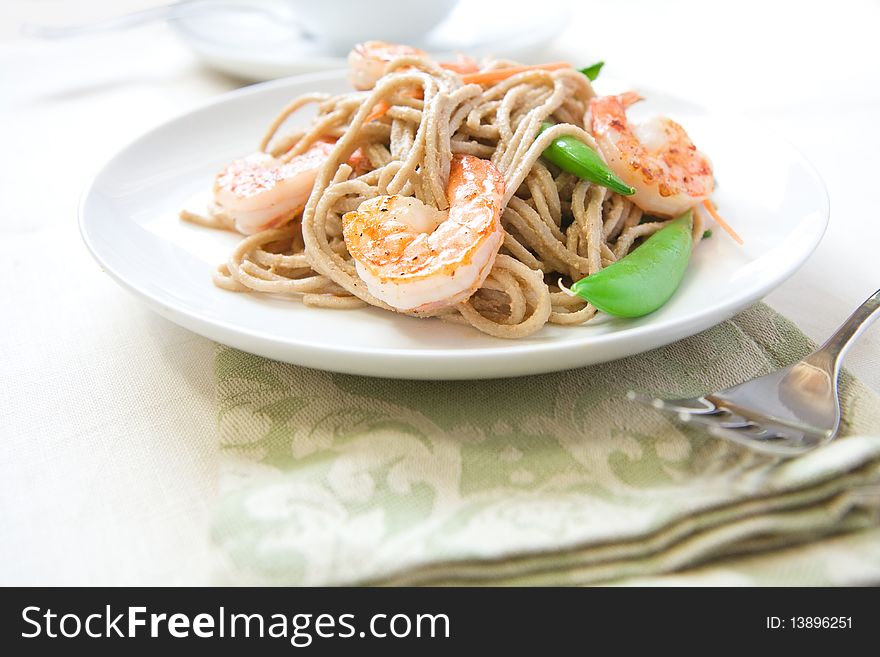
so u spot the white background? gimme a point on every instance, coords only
(107, 445)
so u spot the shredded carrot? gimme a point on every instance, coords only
(378, 112)
(381, 108)
(718, 220)
(498, 74)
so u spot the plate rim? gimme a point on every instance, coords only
(663, 334)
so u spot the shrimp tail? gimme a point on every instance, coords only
(628, 98)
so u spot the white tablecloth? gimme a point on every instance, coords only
(107, 418)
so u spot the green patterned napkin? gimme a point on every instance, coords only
(551, 479)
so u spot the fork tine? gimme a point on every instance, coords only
(688, 405)
(748, 433)
(726, 420)
(722, 423)
(768, 442)
(714, 417)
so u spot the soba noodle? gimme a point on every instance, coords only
(557, 227)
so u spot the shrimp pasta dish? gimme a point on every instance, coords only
(473, 192)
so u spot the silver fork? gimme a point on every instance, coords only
(787, 412)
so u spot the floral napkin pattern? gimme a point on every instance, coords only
(554, 479)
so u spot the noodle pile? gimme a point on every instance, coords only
(557, 226)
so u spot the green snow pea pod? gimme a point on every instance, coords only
(574, 156)
(645, 279)
(592, 72)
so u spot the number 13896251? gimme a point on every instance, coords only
(809, 623)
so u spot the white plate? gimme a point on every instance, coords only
(263, 49)
(128, 218)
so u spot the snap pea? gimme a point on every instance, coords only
(576, 157)
(592, 72)
(645, 279)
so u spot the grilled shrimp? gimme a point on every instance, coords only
(260, 192)
(656, 157)
(417, 258)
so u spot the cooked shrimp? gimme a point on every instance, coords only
(656, 157)
(369, 60)
(259, 192)
(417, 258)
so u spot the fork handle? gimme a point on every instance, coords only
(835, 347)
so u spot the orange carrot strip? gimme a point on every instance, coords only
(718, 220)
(381, 108)
(495, 75)
(378, 112)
